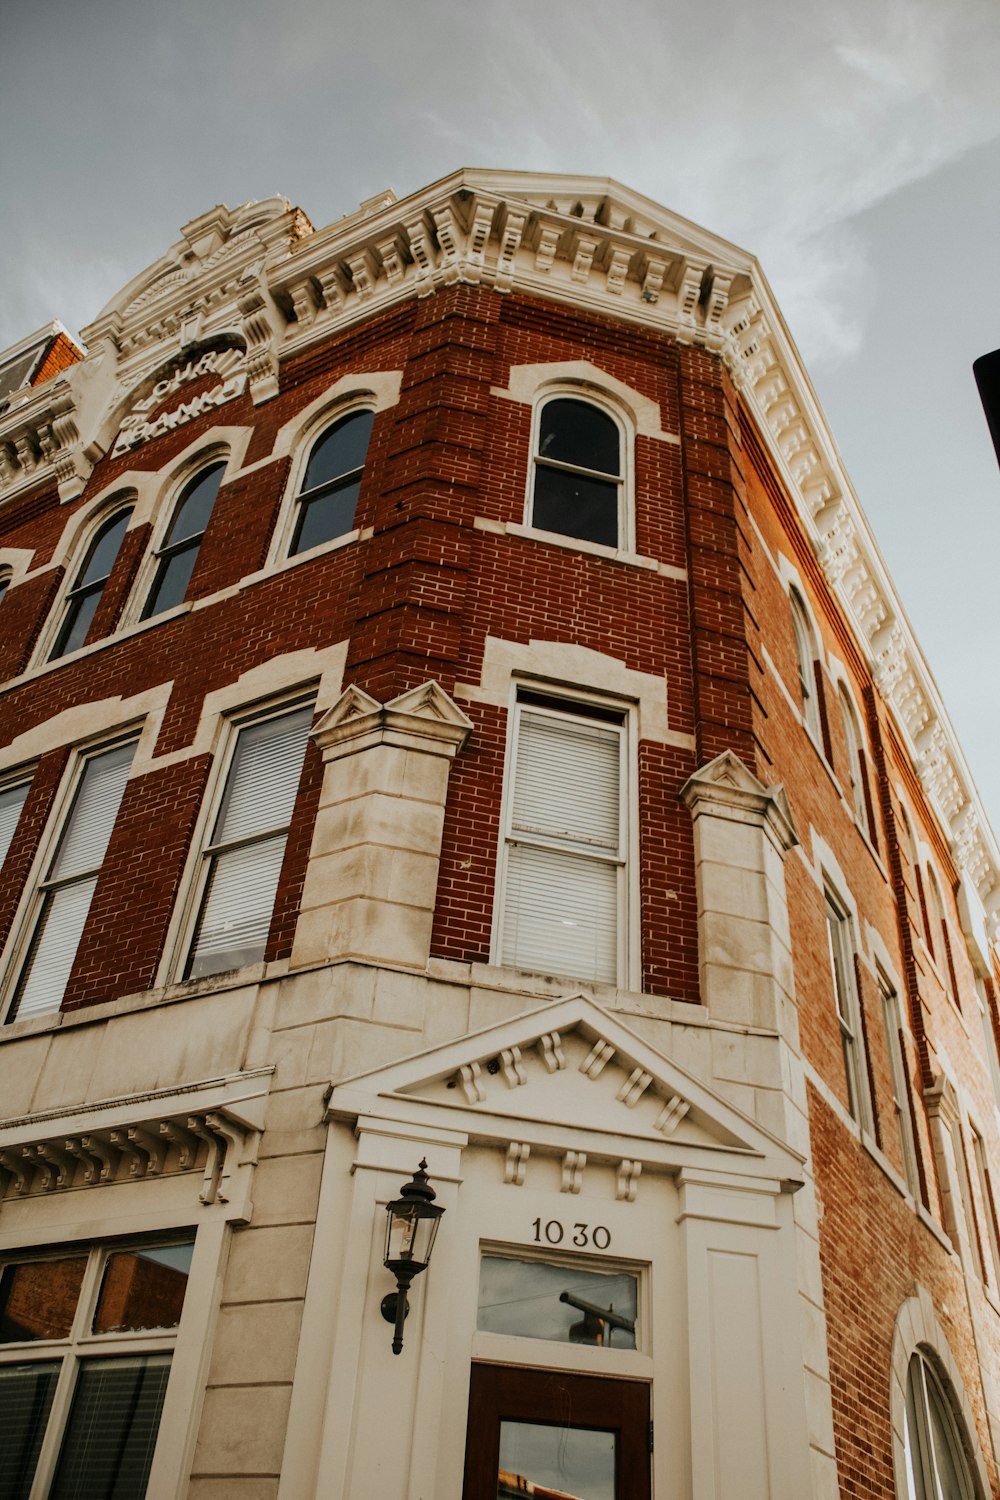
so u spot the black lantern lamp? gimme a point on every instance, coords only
(411, 1228)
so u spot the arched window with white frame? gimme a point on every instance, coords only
(937, 1466)
(805, 649)
(89, 581)
(178, 552)
(578, 480)
(327, 498)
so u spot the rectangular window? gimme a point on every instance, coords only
(70, 880)
(564, 871)
(242, 861)
(81, 1413)
(989, 1037)
(968, 1205)
(900, 1087)
(841, 945)
(988, 1202)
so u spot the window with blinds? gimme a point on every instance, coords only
(564, 861)
(86, 1341)
(11, 802)
(242, 861)
(65, 893)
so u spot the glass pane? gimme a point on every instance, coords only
(954, 1480)
(536, 1300)
(264, 777)
(104, 550)
(172, 578)
(4, 585)
(326, 515)
(95, 808)
(237, 910)
(11, 802)
(195, 507)
(574, 432)
(38, 1299)
(578, 1463)
(561, 914)
(573, 505)
(79, 613)
(53, 950)
(340, 450)
(109, 1440)
(26, 1393)
(143, 1288)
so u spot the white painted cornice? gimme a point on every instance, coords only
(264, 278)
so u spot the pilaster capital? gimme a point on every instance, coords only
(727, 789)
(424, 718)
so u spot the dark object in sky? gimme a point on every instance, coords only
(987, 372)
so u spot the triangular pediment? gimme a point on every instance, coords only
(568, 1076)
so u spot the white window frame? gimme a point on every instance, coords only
(122, 500)
(806, 655)
(162, 509)
(564, 701)
(81, 1344)
(989, 1234)
(900, 1086)
(202, 850)
(855, 768)
(920, 1458)
(989, 1038)
(39, 883)
(305, 442)
(587, 396)
(847, 1006)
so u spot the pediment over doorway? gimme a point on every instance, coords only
(568, 1076)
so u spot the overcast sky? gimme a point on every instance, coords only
(852, 145)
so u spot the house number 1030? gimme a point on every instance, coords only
(552, 1232)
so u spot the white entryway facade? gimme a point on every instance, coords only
(558, 1140)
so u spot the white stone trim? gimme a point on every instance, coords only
(556, 665)
(917, 1326)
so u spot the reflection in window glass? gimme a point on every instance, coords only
(179, 552)
(332, 481)
(537, 1300)
(143, 1289)
(578, 1463)
(578, 473)
(38, 1298)
(88, 585)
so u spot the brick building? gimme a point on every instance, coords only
(453, 708)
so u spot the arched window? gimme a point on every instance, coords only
(178, 553)
(918, 880)
(936, 1464)
(5, 578)
(328, 497)
(855, 760)
(578, 484)
(88, 585)
(805, 648)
